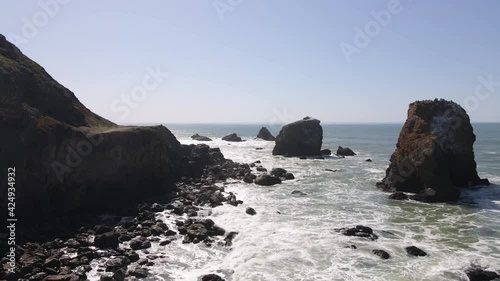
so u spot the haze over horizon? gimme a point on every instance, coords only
(237, 61)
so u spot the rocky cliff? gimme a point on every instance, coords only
(69, 159)
(434, 155)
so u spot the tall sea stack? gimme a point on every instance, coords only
(300, 138)
(434, 155)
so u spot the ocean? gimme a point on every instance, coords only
(293, 237)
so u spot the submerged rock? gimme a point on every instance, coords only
(300, 138)
(200, 138)
(476, 273)
(267, 180)
(345, 151)
(398, 196)
(265, 134)
(434, 155)
(415, 251)
(359, 231)
(382, 254)
(232, 138)
(211, 277)
(250, 211)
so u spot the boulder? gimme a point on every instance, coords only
(300, 138)
(250, 211)
(211, 277)
(326, 152)
(382, 254)
(345, 151)
(434, 155)
(232, 138)
(265, 134)
(200, 138)
(107, 240)
(415, 251)
(476, 273)
(267, 180)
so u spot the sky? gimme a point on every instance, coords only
(259, 61)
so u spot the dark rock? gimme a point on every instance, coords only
(298, 192)
(368, 160)
(278, 172)
(102, 228)
(139, 272)
(301, 138)
(330, 170)
(200, 138)
(267, 180)
(211, 277)
(197, 230)
(382, 254)
(251, 211)
(341, 151)
(265, 134)
(398, 196)
(119, 274)
(157, 208)
(116, 263)
(232, 138)
(326, 152)
(229, 238)
(248, 179)
(434, 155)
(259, 148)
(107, 240)
(261, 169)
(359, 231)
(51, 263)
(288, 176)
(139, 243)
(414, 251)
(62, 277)
(479, 274)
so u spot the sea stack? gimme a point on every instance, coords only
(300, 138)
(434, 155)
(265, 135)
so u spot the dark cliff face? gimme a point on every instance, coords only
(434, 155)
(300, 138)
(66, 157)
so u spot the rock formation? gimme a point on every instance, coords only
(345, 151)
(69, 159)
(265, 134)
(232, 138)
(434, 155)
(200, 138)
(300, 138)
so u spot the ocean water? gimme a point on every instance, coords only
(301, 243)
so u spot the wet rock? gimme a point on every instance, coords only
(200, 138)
(211, 277)
(267, 180)
(250, 211)
(288, 176)
(116, 263)
(62, 277)
(300, 138)
(341, 151)
(157, 208)
(139, 272)
(197, 230)
(261, 169)
(139, 243)
(248, 179)
(265, 134)
(278, 172)
(382, 254)
(107, 240)
(232, 138)
(359, 231)
(119, 275)
(298, 192)
(476, 273)
(229, 238)
(368, 160)
(52, 263)
(326, 152)
(434, 155)
(331, 170)
(415, 251)
(398, 196)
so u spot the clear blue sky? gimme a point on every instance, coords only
(263, 61)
